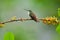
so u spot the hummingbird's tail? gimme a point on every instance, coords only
(38, 20)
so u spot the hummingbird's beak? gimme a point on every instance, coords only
(26, 9)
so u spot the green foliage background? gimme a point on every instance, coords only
(29, 30)
(9, 36)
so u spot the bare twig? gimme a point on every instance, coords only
(48, 20)
(21, 19)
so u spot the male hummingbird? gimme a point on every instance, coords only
(32, 15)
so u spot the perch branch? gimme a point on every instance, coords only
(47, 20)
(21, 19)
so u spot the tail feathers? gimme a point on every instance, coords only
(37, 19)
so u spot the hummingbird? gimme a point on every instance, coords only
(32, 15)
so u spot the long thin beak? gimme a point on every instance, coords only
(26, 9)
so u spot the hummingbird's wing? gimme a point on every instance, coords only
(33, 17)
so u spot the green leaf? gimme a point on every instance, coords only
(58, 29)
(58, 11)
(9, 36)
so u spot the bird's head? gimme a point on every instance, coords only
(28, 10)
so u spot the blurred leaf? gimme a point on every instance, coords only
(9, 36)
(1, 25)
(58, 11)
(58, 29)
